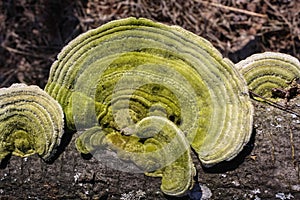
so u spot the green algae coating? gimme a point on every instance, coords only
(31, 122)
(265, 71)
(116, 75)
(156, 145)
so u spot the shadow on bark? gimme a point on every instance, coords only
(65, 141)
(4, 162)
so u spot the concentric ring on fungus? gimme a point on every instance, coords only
(31, 122)
(113, 77)
(266, 71)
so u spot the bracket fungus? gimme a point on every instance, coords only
(268, 74)
(129, 72)
(156, 145)
(31, 122)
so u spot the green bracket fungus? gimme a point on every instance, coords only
(156, 145)
(269, 72)
(31, 122)
(111, 79)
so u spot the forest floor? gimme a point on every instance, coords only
(32, 32)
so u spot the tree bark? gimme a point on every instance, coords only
(267, 168)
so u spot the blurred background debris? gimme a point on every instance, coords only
(32, 32)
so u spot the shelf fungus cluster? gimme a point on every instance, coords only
(271, 75)
(31, 122)
(141, 95)
(149, 92)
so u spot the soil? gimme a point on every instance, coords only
(32, 32)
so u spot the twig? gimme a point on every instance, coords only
(234, 9)
(279, 14)
(11, 73)
(16, 51)
(274, 104)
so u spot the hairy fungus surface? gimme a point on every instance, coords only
(267, 71)
(134, 74)
(31, 122)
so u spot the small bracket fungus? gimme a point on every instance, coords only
(31, 122)
(271, 75)
(129, 71)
